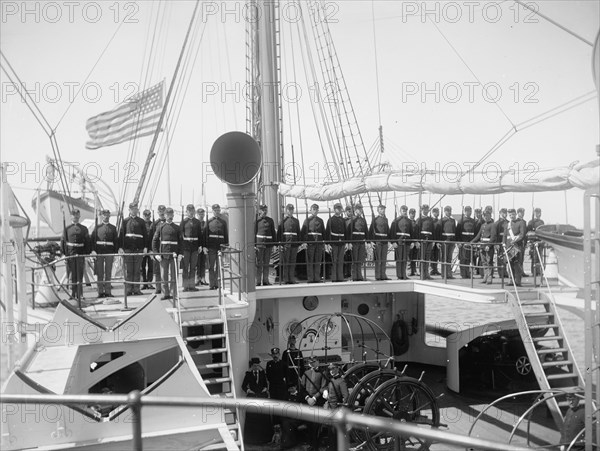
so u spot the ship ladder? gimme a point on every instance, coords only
(208, 342)
(549, 354)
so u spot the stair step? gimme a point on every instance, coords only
(551, 350)
(557, 363)
(536, 302)
(212, 365)
(528, 314)
(216, 380)
(542, 326)
(201, 322)
(209, 351)
(225, 395)
(552, 377)
(204, 337)
(548, 338)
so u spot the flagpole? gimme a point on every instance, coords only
(164, 110)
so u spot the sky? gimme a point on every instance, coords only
(445, 80)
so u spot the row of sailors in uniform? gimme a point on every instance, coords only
(168, 241)
(405, 233)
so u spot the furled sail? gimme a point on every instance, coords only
(491, 181)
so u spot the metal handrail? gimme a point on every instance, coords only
(342, 419)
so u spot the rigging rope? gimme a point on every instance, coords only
(376, 62)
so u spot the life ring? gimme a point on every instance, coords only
(399, 337)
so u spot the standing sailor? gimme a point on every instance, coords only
(201, 265)
(191, 235)
(479, 221)
(294, 361)
(312, 232)
(401, 233)
(358, 234)
(157, 225)
(437, 236)
(348, 252)
(215, 235)
(413, 254)
(486, 237)
(336, 233)
(289, 234)
(425, 230)
(514, 237)
(448, 232)
(147, 260)
(167, 245)
(500, 226)
(379, 233)
(75, 244)
(531, 226)
(466, 231)
(277, 376)
(521, 217)
(105, 242)
(264, 231)
(133, 239)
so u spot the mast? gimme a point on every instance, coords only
(267, 83)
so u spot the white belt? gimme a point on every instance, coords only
(315, 233)
(468, 233)
(448, 234)
(264, 236)
(402, 234)
(75, 244)
(189, 238)
(380, 234)
(425, 232)
(216, 236)
(358, 233)
(134, 235)
(105, 243)
(290, 233)
(337, 234)
(169, 242)
(486, 239)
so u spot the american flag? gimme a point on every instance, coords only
(134, 118)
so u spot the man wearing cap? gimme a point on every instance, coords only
(191, 240)
(413, 254)
(521, 217)
(76, 243)
(155, 226)
(166, 244)
(358, 234)
(425, 230)
(201, 265)
(479, 221)
(465, 232)
(514, 235)
(436, 247)
(348, 252)
(257, 427)
(216, 234)
(335, 232)
(500, 226)
(288, 233)
(312, 232)
(147, 260)
(379, 233)
(401, 232)
(264, 232)
(448, 232)
(133, 239)
(255, 380)
(486, 237)
(313, 383)
(294, 361)
(277, 376)
(105, 242)
(535, 222)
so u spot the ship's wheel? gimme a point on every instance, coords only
(404, 399)
(355, 373)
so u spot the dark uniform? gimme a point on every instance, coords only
(277, 371)
(500, 226)
(75, 244)
(514, 237)
(436, 254)
(486, 237)
(132, 239)
(337, 396)
(348, 252)
(156, 267)
(335, 232)
(191, 236)
(201, 265)
(479, 221)
(358, 233)
(289, 234)
(257, 428)
(147, 260)
(401, 234)
(532, 238)
(105, 242)
(520, 217)
(167, 243)
(294, 360)
(379, 233)
(264, 232)
(312, 232)
(413, 254)
(465, 232)
(425, 229)
(216, 234)
(312, 386)
(448, 232)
